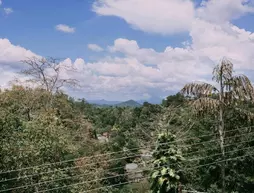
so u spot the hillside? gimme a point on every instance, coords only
(104, 103)
(129, 103)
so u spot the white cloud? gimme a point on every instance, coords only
(223, 11)
(10, 57)
(128, 76)
(12, 54)
(163, 17)
(145, 70)
(1, 2)
(65, 28)
(8, 11)
(95, 47)
(168, 17)
(216, 41)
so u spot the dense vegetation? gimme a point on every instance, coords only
(51, 142)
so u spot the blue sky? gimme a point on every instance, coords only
(145, 48)
(32, 26)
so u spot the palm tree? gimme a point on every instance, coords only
(209, 98)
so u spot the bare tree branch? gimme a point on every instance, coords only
(46, 72)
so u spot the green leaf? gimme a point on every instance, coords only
(155, 174)
(164, 171)
(161, 180)
(172, 173)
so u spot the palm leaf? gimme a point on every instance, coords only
(205, 105)
(199, 89)
(242, 88)
(223, 70)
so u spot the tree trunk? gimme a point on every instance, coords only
(221, 133)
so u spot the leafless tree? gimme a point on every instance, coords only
(46, 72)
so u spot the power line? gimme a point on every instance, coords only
(115, 185)
(215, 140)
(228, 145)
(106, 178)
(36, 184)
(230, 159)
(74, 167)
(142, 171)
(110, 153)
(195, 159)
(65, 178)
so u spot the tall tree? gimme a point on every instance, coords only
(48, 73)
(229, 89)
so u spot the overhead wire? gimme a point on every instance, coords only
(105, 161)
(44, 182)
(110, 153)
(230, 159)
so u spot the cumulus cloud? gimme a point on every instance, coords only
(10, 57)
(145, 70)
(163, 17)
(65, 28)
(174, 16)
(216, 41)
(12, 54)
(95, 47)
(130, 76)
(223, 11)
(8, 11)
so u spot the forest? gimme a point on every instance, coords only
(197, 140)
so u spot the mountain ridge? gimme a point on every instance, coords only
(153, 100)
(105, 103)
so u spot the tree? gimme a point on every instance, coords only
(208, 98)
(173, 100)
(166, 174)
(47, 73)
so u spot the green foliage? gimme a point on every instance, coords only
(166, 174)
(39, 127)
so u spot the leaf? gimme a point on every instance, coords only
(164, 171)
(161, 181)
(206, 105)
(199, 89)
(155, 174)
(172, 173)
(177, 177)
(173, 158)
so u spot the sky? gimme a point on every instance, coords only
(128, 49)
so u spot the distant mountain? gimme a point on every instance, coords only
(103, 102)
(153, 100)
(129, 103)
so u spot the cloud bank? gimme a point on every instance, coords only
(144, 72)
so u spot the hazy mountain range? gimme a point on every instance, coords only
(102, 102)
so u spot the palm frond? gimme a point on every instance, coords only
(242, 88)
(223, 70)
(199, 89)
(205, 104)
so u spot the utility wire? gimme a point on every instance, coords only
(110, 153)
(115, 185)
(230, 159)
(37, 184)
(105, 161)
